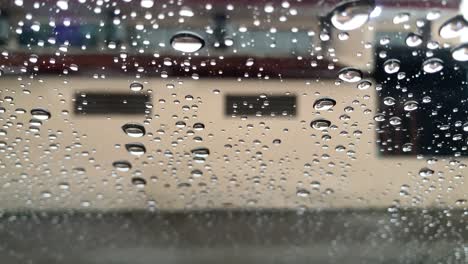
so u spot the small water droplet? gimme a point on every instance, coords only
(122, 165)
(364, 85)
(407, 147)
(389, 100)
(324, 104)
(146, 3)
(196, 173)
(139, 182)
(134, 130)
(303, 193)
(186, 11)
(198, 126)
(136, 86)
(391, 66)
(136, 149)
(426, 172)
(401, 18)
(320, 124)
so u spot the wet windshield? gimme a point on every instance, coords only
(189, 131)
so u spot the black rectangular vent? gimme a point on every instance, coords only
(111, 103)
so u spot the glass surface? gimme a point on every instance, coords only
(189, 131)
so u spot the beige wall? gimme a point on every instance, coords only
(367, 181)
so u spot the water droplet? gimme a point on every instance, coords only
(136, 86)
(196, 173)
(249, 62)
(350, 75)
(139, 182)
(465, 127)
(407, 147)
(134, 130)
(433, 65)
(401, 18)
(454, 27)
(269, 8)
(460, 53)
(413, 40)
(302, 193)
(136, 149)
(122, 165)
(395, 121)
(410, 106)
(351, 15)
(180, 124)
(391, 66)
(320, 124)
(64, 185)
(185, 11)
(276, 141)
(324, 104)
(433, 15)
(364, 85)
(187, 42)
(200, 152)
(40, 114)
(198, 126)
(62, 4)
(146, 3)
(389, 100)
(426, 172)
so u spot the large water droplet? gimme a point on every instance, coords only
(454, 27)
(187, 42)
(324, 104)
(351, 15)
(460, 53)
(350, 75)
(320, 124)
(413, 40)
(122, 165)
(391, 66)
(410, 106)
(40, 114)
(134, 130)
(136, 149)
(433, 65)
